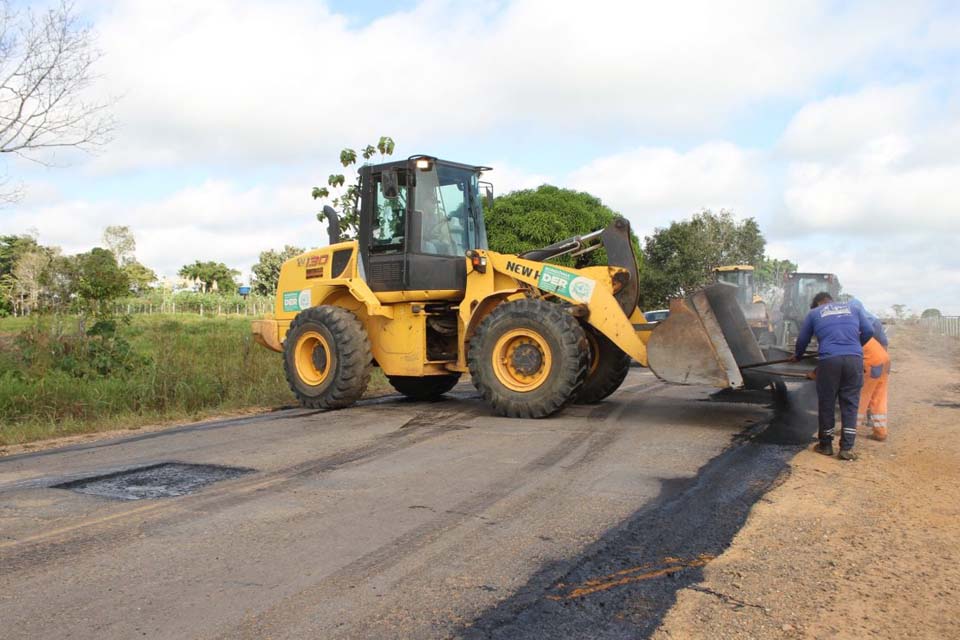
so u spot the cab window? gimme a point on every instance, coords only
(389, 218)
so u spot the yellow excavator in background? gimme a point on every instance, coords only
(753, 306)
(419, 294)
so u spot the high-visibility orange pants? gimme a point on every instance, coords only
(872, 411)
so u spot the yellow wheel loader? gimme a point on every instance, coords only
(419, 295)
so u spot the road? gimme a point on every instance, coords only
(389, 519)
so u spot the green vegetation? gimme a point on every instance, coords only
(681, 258)
(348, 201)
(212, 276)
(534, 218)
(178, 367)
(266, 272)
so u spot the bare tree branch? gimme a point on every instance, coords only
(46, 70)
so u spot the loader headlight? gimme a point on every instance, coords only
(478, 262)
(424, 164)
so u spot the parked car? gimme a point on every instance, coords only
(657, 315)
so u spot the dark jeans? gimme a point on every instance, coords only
(840, 378)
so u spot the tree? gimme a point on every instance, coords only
(99, 279)
(47, 63)
(267, 271)
(60, 280)
(139, 276)
(12, 247)
(120, 241)
(28, 274)
(534, 218)
(900, 311)
(930, 313)
(348, 200)
(681, 258)
(211, 276)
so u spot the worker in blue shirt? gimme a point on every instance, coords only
(841, 331)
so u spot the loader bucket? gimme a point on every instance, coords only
(705, 340)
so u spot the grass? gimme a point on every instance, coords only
(190, 368)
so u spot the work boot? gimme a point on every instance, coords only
(879, 433)
(847, 454)
(826, 448)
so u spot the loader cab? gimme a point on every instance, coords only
(418, 218)
(741, 276)
(798, 292)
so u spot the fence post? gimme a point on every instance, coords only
(201, 309)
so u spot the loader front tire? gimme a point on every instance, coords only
(326, 357)
(528, 358)
(425, 387)
(609, 366)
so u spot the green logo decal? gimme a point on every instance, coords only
(296, 300)
(566, 284)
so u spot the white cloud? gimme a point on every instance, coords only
(654, 185)
(840, 124)
(918, 270)
(874, 162)
(216, 220)
(238, 81)
(506, 178)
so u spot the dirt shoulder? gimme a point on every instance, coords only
(869, 549)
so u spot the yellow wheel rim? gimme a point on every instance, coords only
(521, 360)
(306, 358)
(594, 352)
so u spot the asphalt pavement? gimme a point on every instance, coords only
(391, 519)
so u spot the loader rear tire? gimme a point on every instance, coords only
(425, 387)
(326, 357)
(528, 358)
(609, 366)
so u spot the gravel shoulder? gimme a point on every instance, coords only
(869, 549)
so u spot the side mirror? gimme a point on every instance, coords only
(487, 193)
(390, 184)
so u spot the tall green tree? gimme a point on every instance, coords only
(99, 279)
(681, 258)
(347, 202)
(140, 277)
(122, 243)
(12, 249)
(533, 218)
(267, 271)
(211, 275)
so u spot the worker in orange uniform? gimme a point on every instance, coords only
(872, 411)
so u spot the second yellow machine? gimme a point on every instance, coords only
(419, 295)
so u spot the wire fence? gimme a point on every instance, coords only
(203, 308)
(944, 325)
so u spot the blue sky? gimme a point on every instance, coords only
(834, 124)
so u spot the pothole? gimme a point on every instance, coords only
(162, 480)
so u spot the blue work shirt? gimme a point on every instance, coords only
(878, 331)
(841, 330)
